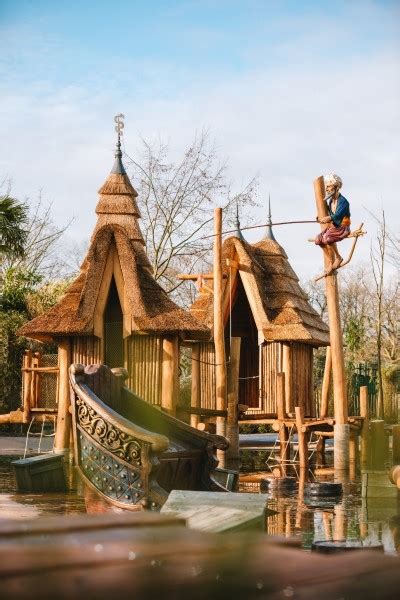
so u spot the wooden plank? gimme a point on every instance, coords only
(216, 512)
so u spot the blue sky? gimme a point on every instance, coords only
(287, 89)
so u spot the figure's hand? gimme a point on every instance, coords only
(325, 220)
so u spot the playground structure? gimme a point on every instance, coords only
(251, 337)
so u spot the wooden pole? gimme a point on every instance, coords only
(396, 444)
(281, 414)
(287, 369)
(341, 427)
(219, 339)
(27, 375)
(196, 390)
(326, 384)
(170, 374)
(232, 425)
(364, 412)
(302, 439)
(62, 438)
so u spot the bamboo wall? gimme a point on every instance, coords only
(143, 361)
(207, 375)
(302, 378)
(86, 350)
(271, 363)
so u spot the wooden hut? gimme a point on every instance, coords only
(264, 306)
(115, 312)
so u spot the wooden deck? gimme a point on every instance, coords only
(217, 513)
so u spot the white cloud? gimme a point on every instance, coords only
(289, 123)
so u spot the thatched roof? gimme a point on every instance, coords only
(280, 307)
(147, 308)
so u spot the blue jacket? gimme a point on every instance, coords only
(341, 217)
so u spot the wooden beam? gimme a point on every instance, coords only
(27, 376)
(219, 338)
(287, 361)
(326, 384)
(63, 429)
(170, 374)
(196, 389)
(341, 455)
(302, 438)
(196, 276)
(281, 414)
(232, 428)
(203, 412)
(364, 412)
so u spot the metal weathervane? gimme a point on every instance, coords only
(119, 123)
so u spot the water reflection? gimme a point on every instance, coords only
(314, 518)
(14, 505)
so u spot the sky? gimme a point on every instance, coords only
(288, 90)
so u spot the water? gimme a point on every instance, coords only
(350, 517)
(16, 505)
(368, 521)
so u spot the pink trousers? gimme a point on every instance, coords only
(331, 235)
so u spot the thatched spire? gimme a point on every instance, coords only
(116, 251)
(117, 202)
(118, 167)
(268, 233)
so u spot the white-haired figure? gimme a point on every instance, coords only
(339, 216)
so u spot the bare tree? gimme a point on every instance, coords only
(42, 245)
(177, 200)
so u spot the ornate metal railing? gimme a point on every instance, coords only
(114, 456)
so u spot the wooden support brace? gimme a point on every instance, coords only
(302, 438)
(345, 262)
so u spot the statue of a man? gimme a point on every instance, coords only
(339, 217)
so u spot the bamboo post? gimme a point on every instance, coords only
(364, 412)
(396, 444)
(62, 438)
(341, 427)
(27, 375)
(302, 438)
(287, 369)
(284, 447)
(326, 384)
(232, 425)
(219, 339)
(170, 374)
(353, 454)
(196, 391)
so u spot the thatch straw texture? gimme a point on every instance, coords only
(146, 304)
(282, 310)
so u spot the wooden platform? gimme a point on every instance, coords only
(148, 556)
(215, 512)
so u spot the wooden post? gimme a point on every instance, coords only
(396, 444)
(219, 338)
(62, 439)
(341, 427)
(364, 412)
(353, 454)
(326, 384)
(232, 425)
(27, 376)
(378, 444)
(281, 414)
(170, 374)
(287, 369)
(302, 437)
(196, 390)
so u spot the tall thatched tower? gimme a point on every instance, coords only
(115, 312)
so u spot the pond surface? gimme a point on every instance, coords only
(349, 517)
(367, 521)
